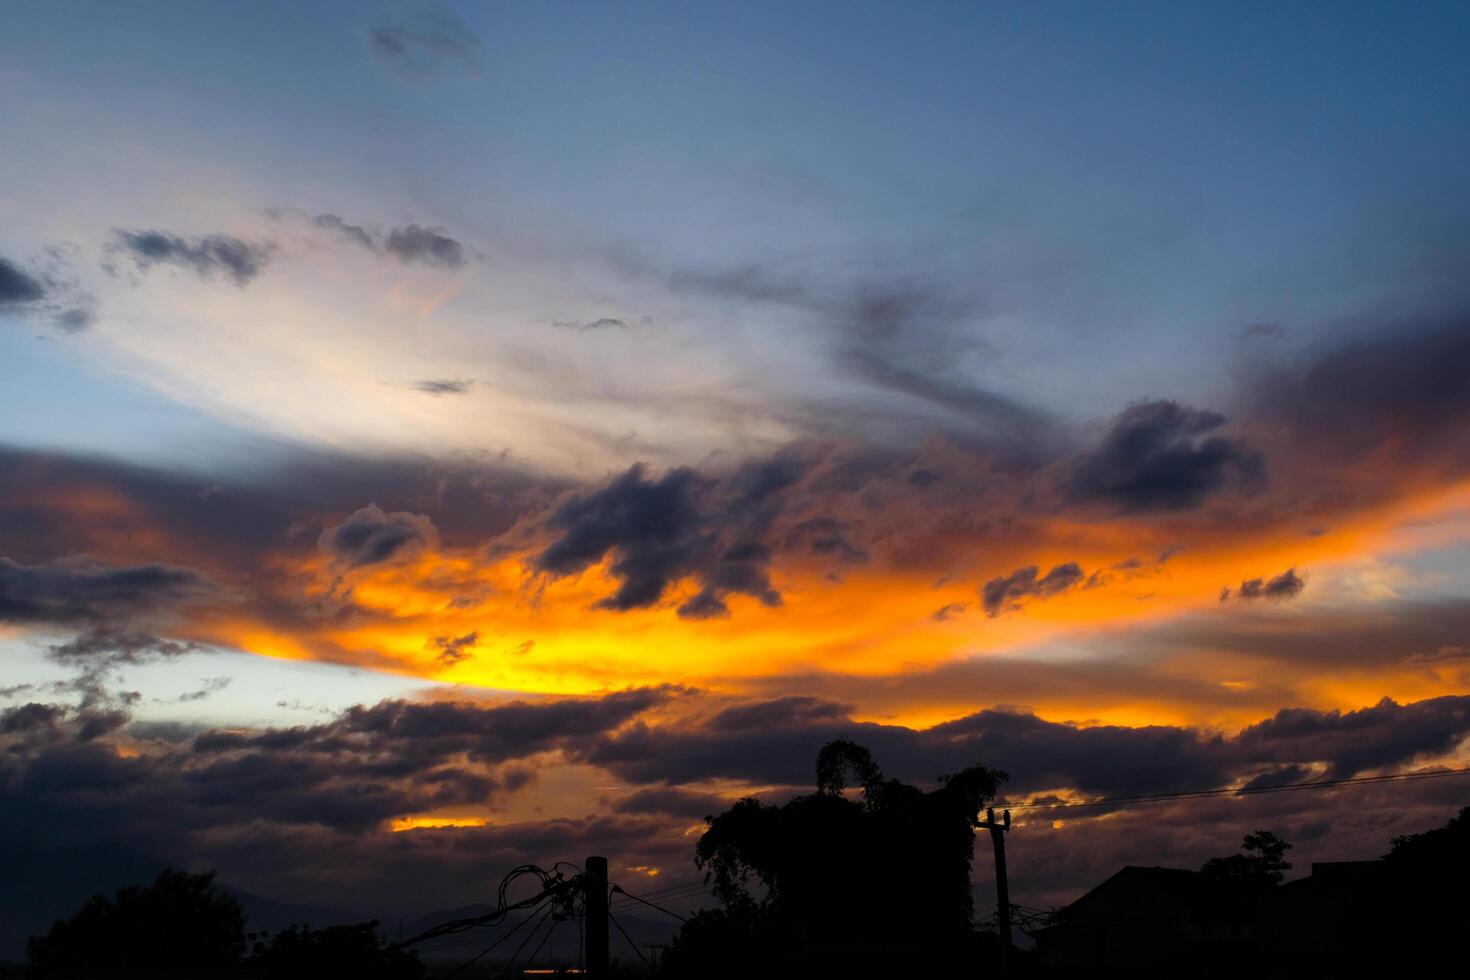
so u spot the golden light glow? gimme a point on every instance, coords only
(645, 870)
(434, 823)
(520, 631)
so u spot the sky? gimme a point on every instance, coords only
(438, 436)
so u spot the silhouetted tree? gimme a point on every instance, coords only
(1431, 871)
(1446, 848)
(1261, 861)
(892, 865)
(344, 950)
(181, 921)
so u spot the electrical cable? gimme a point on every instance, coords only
(532, 958)
(534, 929)
(560, 890)
(677, 886)
(672, 894)
(619, 889)
(646, 961)
(457, 970)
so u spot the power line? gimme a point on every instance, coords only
(646, 961)
(534, 929)
(670, 896)
(626, 901)
(697, 883)
(537, 951)
(1200, 794)
(465, 965)
(559, 889)
(619, 889)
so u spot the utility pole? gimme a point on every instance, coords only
(595, 876)
(1002, 887)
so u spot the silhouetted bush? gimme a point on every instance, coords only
(184, 922)
(181, 921)
(729, 942)
(357, 951)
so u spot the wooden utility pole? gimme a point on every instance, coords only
(1002, 887)
(595, 876)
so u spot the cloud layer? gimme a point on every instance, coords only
(317, 803)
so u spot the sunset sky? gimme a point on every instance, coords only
(438, 436)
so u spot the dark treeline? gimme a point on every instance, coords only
(185, 923)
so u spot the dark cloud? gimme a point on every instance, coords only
(1287, 585)
(792, 709)
(601, 323)
(773, 743)
(32, 717)
(948, 611)
(81, 589)
(51, 294)
(653, 526)
(1279, 776)
(238, 517)
(349, 232)
(1388, 388)
(908, 336)
(75, 320)
(1008, 592)
(119, 647)
(348, 776)
(1385, 735)
(420, 39)
(236, 258)
(673, 801)
(429, 246)
(407, 243)
(16, 286)
(499, 733)
(93, 723)
(1098, 760)
(95, 657)
(911, 341)
(829, 537)
(209, 687)
(453, 649)
(444, 386)
(1160, 455)
(371, 536)
(680, 525)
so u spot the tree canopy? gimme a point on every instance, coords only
(1261, 861)
(185, 921)
(180, 921)
(843, 867)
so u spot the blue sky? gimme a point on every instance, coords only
(1130, 187)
